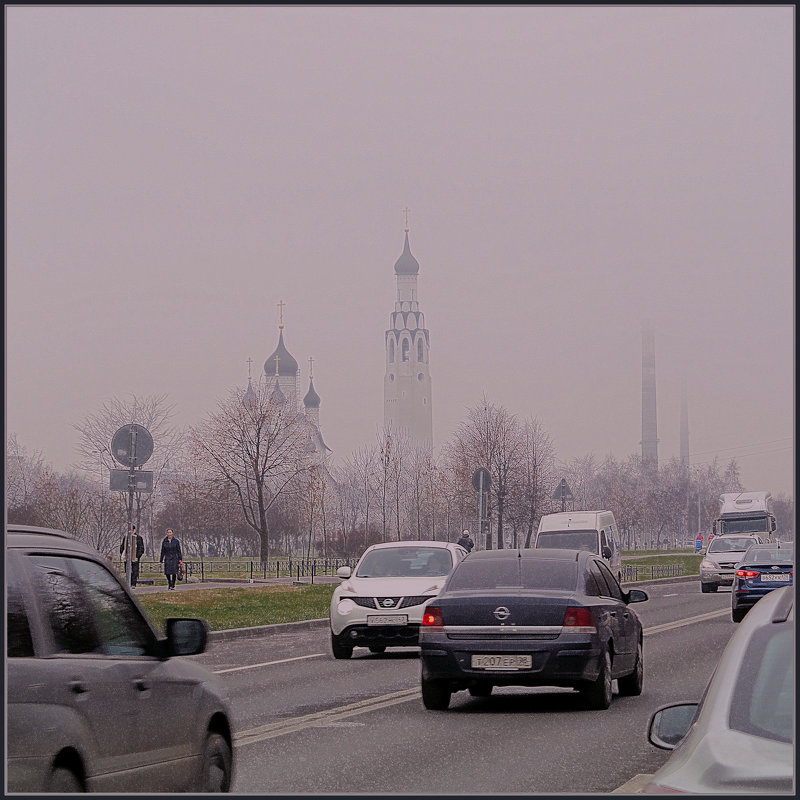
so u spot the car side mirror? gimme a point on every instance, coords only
(669, 724)
(185, 636)
(606, 552)
(343, 572)
(636, 596)
(773, 525)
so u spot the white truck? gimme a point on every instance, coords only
(745, 512)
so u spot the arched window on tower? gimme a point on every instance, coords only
(404, 350)
(419, 350)
(391, 351)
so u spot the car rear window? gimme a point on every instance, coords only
(568, 540)
(759, 554)
(514, 573)
(763, 698)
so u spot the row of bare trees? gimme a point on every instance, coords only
(248, 481)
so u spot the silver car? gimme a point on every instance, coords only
(723, 554)
(96, 700)
(740, 737)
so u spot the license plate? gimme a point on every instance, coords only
(779, 577)
(501, 662)
(388, 619)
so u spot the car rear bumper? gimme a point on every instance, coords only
(563, 662)
(746, 598)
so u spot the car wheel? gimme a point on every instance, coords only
(598, 693)
(705, 588)
(64, 781)
(737, 614)
(435, 695)
(377, 648)
(215, 774)
(339, 648)
(631, 685)
(481, 689)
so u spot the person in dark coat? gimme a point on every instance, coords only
(466, 541)
(139, 553)
(171, 556)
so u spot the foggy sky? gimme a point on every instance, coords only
(571, 172)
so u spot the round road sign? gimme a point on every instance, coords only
(132, 445)
(476, 479)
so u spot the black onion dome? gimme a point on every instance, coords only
(286, 363)
(406, 264)
(277, 396)
(311, 400)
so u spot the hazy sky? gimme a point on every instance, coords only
(172, 173)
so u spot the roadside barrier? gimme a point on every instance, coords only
(645, 572)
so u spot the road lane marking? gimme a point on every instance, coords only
(679, 623)
(267, 663)
(284, 726)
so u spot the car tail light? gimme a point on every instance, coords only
(578, 619)
(747, 573)
(432, 618)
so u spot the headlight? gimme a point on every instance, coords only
(705, 564)
(345, 606)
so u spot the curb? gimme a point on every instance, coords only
(254, 632)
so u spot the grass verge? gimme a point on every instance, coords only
(236, 607)
(691, 563)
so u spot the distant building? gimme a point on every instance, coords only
(649, 441)
(407, 381)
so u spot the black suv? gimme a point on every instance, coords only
(96, 700)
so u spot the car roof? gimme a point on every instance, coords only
(546, 554)
(410, 543)
(29, 537)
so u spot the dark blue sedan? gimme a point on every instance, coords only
(531, 618)
(764, 567)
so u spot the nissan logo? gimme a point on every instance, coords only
(501, 612)
(388, 602)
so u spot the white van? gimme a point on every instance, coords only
(595, 531)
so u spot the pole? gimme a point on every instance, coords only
(480, 510)
(131, 479)
(563, 494)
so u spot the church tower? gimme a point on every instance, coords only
(407, 380)
(281, 368)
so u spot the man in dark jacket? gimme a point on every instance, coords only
(466, 541)
(139, 553)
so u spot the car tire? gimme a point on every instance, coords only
(481, 689)
(631, 685)
(708, 587)
(435, 695)
(377, 648)
(737, 614)
(339, 648)
(597, 694)
(215, 768)
(63, 781)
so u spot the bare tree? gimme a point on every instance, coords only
(258, 444)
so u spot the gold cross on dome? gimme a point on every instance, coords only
(406, 210)
(249, 364)
(277, 359)
(310, 368)
(280, 306)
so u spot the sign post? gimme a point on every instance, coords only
(131, 445)
(563, 493)
(481, 481)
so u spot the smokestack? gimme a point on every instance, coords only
(649, 441)
(684, 428)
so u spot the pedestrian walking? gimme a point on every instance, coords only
(466, 541)
(171, 557)
(139, 551)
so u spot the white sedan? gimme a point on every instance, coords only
(380, 603)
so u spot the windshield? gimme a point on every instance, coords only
(568, 540)
(757, 525)
(405, 562)
(514, 573)
(767, 554)
(730, 544)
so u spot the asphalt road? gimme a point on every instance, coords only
(305, 723)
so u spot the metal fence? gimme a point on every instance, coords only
(243, 569)
(646, 572)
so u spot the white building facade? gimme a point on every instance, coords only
(407, 380)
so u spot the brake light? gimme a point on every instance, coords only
(432, 617)
(747, 573)
(578, 619)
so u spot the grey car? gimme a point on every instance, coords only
(96, 698)
(723, 554)
(740, 737)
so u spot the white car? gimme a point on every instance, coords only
(380, 604)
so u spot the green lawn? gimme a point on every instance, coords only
(691, 563)
(237, 607)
